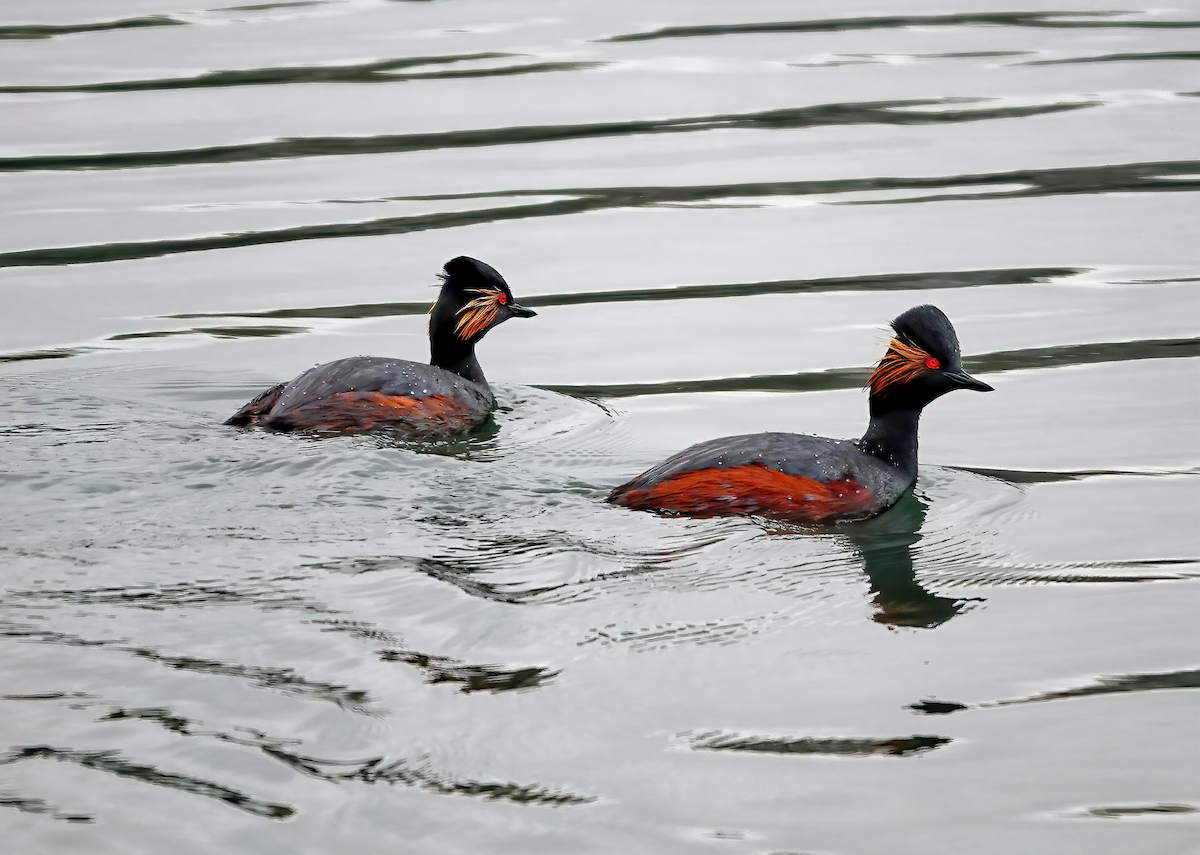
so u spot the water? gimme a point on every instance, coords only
(224, 640)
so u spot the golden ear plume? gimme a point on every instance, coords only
(900, 364)
(478, 314)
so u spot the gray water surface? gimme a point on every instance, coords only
(218, 640)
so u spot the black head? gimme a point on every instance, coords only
(474, 299)
(922, 363)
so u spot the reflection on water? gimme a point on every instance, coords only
(401, 772)
(910, 112)
(855, 378)
(1006, 19)
(114, 764)
(368, 72)
(886, 547)
(474, 678)
(933, 280)
(1103, 686)
(1118, 811)
(1169, 177)
(276, 679)
(899, 747)
(45, 31)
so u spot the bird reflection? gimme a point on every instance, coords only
(885, 544)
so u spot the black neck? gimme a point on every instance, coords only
(450, 352)
(892, 437)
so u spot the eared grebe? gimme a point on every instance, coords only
(811, 478)
(362, 393)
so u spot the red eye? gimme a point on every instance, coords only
(502, 298)
(931, 363)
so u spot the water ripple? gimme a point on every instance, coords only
(41, 806)
(834, 747)
(1106, 20)
(1138, 810)
(1114, 685)
(919, 281)
(284, 680)
(371, 771)
(1165, 176)
(403, 772)
(473, 678)
(906, 112)
(176, 19)
(380, 71)
(49, 353)
(854, 378)
(46, 31)
(114, 763)
(1035, 476)
(1157, 56)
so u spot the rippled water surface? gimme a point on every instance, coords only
(217, 640)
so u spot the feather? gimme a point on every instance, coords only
(899, 365)
(477, 315)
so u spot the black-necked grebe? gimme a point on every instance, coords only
(362, 393)
(812, 478)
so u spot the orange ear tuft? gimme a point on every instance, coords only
(477, 315)
(901, 363)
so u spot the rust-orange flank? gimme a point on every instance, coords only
(750, 489)
(355, 412)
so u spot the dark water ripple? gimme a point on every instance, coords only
(902, 746)
(277, 679)
(381, 71)
(402, 772)
(50, 353)
(268, 595)
(882, 282)
(1105, 178)
(385, 71)
(215, 332)
(1055, 356)
(46, 31)
(465, 577)
(906, 112)
(371, 771)
(461, 578)
(1123, 811)
(1115, 685)
(114, 763)
(1167, 176)
(472, 678)
(1083, 354)
(264, 594)
(1082, 19)
(1090, 20)
(923, 281)
(287, 4)
(1119, 684)
(1032, 476)
(976, 573)
(1159, 56)
(41, 806)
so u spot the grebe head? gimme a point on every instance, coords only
(922, 363)
(474, 298)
